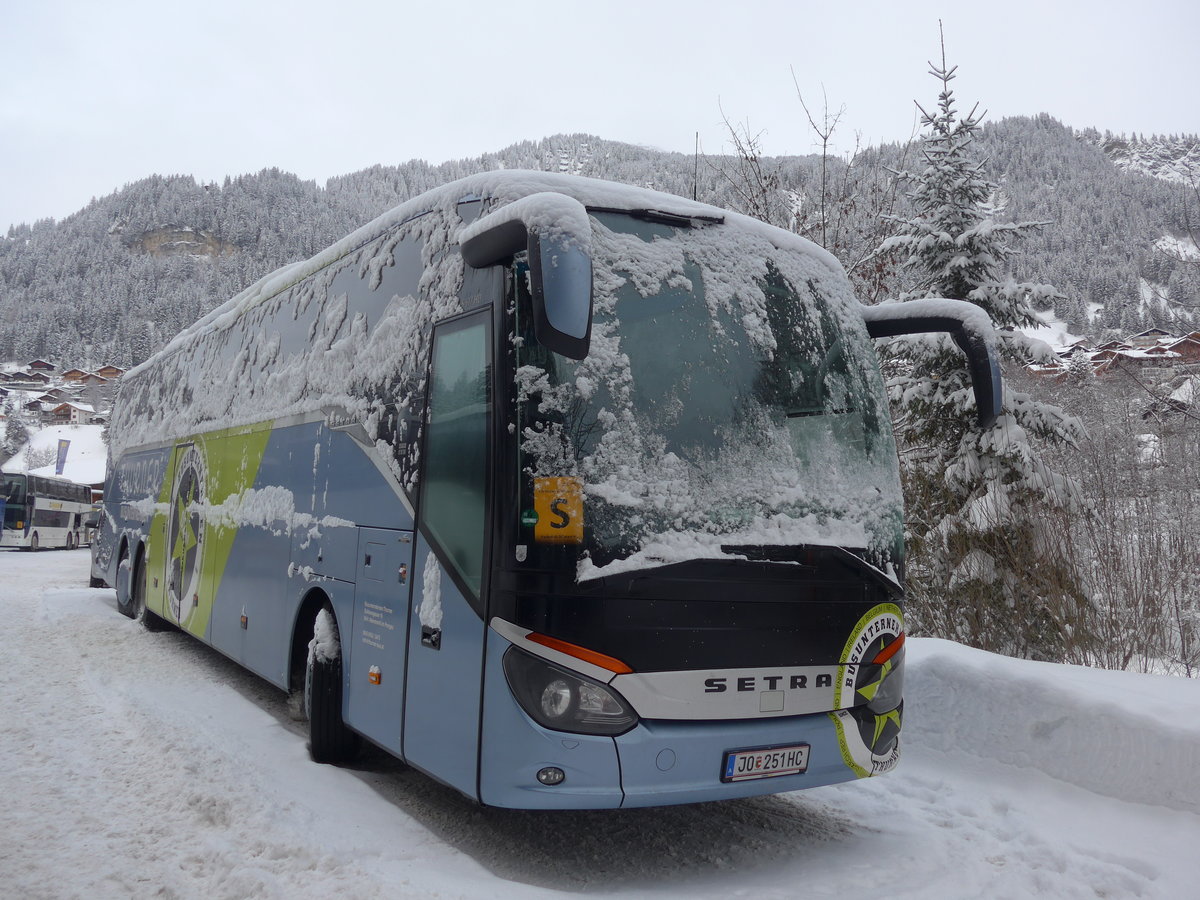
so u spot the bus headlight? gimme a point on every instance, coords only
(561, 700)
(556, 700)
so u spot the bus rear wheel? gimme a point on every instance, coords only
(329, 740)
(124, 585)
(137, 590)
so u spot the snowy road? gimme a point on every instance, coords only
(137, 764)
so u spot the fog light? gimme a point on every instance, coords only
(551, 775)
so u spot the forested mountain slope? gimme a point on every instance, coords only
(116, 280)
(1109, 241)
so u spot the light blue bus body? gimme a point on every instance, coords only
(363, 479)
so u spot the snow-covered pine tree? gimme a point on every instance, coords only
(987, 564)
(15, 432)
(1080, 369)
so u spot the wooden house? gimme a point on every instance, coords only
(71, 414)
(1151, 360)
(1188, 348)
(1149, 337)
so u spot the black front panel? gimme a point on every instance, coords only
(704, 614)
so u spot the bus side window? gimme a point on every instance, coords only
(455, 499)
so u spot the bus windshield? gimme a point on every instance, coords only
(13, 489)
(730, 404)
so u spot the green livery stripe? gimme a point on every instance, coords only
(189, 548)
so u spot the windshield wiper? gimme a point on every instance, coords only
(661, 217)
(801, 413)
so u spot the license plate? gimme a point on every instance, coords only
(744, 765)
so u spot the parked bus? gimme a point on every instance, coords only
(567, 493)
(43, 512)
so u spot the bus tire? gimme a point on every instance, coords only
(137, 591)
(70, 541)
(329, 740)
(124, 584)
(33, 543)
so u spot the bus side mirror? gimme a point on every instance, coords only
(969, 326)
(555, 230)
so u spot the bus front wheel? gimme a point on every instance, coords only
(330, 741)
(33, 542)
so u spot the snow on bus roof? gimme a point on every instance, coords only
(503, 187)
(295, 343)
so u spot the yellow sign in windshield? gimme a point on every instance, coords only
(559, 506)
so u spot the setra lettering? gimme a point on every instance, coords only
(748, 683)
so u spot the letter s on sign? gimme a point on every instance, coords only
(714, 685)
(556, 509)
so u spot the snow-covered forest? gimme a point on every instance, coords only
(113, 282)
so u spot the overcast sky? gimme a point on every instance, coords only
(94, 95)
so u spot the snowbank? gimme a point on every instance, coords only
(1123, 735)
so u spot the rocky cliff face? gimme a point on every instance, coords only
(1171, 159)
(171, 240)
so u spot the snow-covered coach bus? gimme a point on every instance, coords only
(43, 512)
(567, 493)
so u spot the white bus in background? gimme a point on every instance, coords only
(42, 512)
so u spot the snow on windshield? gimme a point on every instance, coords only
(730, 397)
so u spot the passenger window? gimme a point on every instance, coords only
(454, 492)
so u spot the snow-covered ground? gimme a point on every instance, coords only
(86, 454)
(138, 764)
(1180, 247)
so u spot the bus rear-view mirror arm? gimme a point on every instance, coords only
(556, 231)
(969, 326)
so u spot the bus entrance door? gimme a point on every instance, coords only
(445, 668)
(446, 627)
(377, 657)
